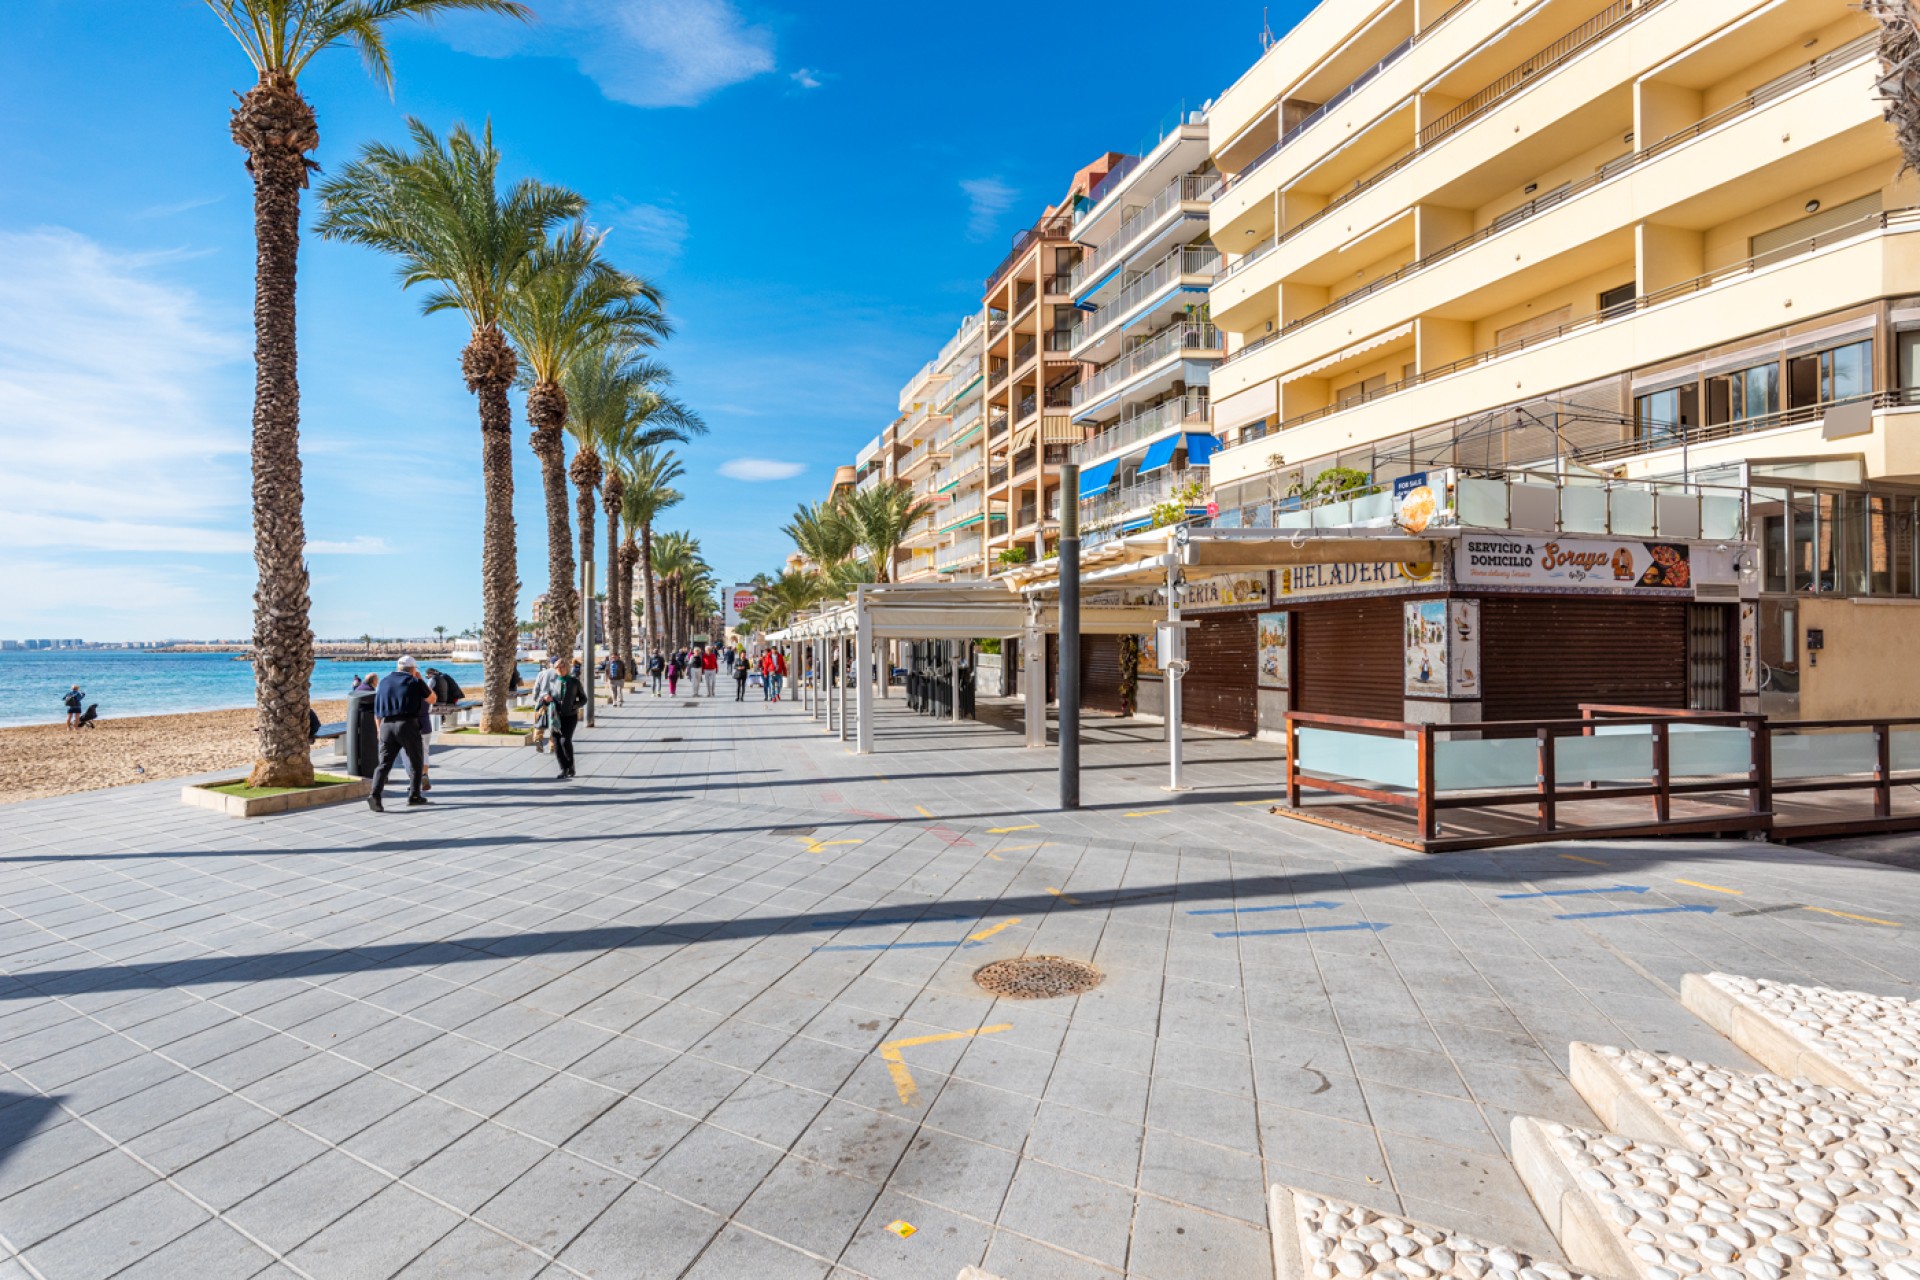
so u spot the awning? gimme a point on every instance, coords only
(1060, 428)
(1160, 453)
(1097, 284)
(1350, 351)
(1095, 479)
(1136, 524)
(1200, 448)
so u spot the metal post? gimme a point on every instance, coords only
(953, 652)
(1070, 635)
(846, 682)
(1033, 656)
(1174, 663)
(816, 651)
(865, 647)
(586, 634)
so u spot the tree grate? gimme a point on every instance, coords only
(1037, 977)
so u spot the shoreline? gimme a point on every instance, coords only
(41, 760)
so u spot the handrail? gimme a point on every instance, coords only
(1177, 337)
(1189, 406)
(1184, 260)
(1054, 226)
(1196, 188)
(1319, 113)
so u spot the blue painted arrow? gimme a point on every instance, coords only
(1696, 908)
(1568, 893)
(1318, 928)
(1283, 906)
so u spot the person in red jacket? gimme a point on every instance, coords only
(710, 667)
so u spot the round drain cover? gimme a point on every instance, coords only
(1037, 977)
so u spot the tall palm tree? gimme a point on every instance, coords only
(881, 518)
(440, 211)
(566, 303)
(650, 491)
(652, 420)
(676, 558)
(822, 533)
(276, 127)
(777, 599)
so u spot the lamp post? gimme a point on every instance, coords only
(1070, 635)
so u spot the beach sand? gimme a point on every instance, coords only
(53, 760)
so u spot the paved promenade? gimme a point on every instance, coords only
(709, 1011)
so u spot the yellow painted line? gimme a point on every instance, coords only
(897, 1068)
(1064, 897)
(1146, 813)
(1574, 857)
(988, 933)
(1701, 884)
(1241, 804)
(923, 811)
(1000, 831)
(1848, 915)
(815, 846)
(996, 857)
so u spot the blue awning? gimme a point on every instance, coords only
(1100, 283)
(1095, 479)
(1160, 453)
(1136, 524)
(1200, 448)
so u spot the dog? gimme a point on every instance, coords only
(88, 716)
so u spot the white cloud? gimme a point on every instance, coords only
(122, 405)
(987, 199)
(755, 470)
(654, 230)
(647, 53)
(363, 545)
(807, 78)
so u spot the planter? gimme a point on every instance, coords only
(236, 802)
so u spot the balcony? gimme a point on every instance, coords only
(1056, 286)
(1189, 485)
(961, 512)
(1181, 411)
(915, 456)
(1191, 188)
(1199, 261)
(958, 561)
(1053, 227)
(1023, 350)
(1167, 344)
(1319, 113)
(964, 424)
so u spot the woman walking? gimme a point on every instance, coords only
(562, 711)
(673, 676)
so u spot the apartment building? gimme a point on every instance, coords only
(958, 483)
(919, 448)
(1598, 245)
(1143, 330)
(1030, 377)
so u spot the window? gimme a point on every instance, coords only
(1743, 394)
(1909, 356)
(1617, 300)
(1838, 373)
(1664, 416)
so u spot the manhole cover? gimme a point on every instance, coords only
(1037, 977)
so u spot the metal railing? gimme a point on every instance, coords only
(1188, 260)
(1188, 407)
(1189, 188)
(964, 509)
(1055, 226)
(1171, 341)
(1163, 486)
(963, 422)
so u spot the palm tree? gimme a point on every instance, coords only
(566, 303)
(881, 518)
(276, 127)
(777, 599)
(650, 475)
(440, 211)
(652, 420)
(822, 533)
(441, 632)
(676, 558)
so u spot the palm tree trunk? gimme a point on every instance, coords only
(547, 412)
(629, 557)
(489, 366)
(276, 127)
(610, 499)
(646, 582)
(586, 478)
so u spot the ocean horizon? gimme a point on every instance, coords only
(138, 682)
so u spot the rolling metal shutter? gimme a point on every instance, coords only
(1351, 658)
(1100, 673)
(1542, 656)
(1218, 691)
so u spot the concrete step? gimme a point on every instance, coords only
(1844, 1039)
(1316, 1237)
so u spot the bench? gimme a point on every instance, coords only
(336, 733)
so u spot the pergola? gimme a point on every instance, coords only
(1025, 602)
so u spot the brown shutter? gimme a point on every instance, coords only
(1542, 656)
(1350, 658)
(1100, 673)
(1218, 691)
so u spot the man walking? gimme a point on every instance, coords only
(710, 666)
(563, 713)
(73, 698)
(657, 668)
(616, 675)
(398, 705)
(740, 679)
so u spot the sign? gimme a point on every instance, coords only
(1463, 658)
(1272, 659)
(739, 600)
(1414, 502)
(1150, 654)
(1227, 591)
(1578, 563)
(1749, 648)
(1442, 649)
(1383, 576)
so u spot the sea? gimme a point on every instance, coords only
(136, 682)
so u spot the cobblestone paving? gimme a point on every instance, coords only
(708, 1011)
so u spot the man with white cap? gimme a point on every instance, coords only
(398, 704)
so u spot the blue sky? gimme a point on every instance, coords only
(820, 190)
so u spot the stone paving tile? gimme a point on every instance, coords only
(590, 1022)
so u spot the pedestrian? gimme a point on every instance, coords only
(514, 683)
(427, 719)
(542, 690)
(563, 714)
(657, 668)
(673, 676)
(364, 684)
(766, 676)
(616, 677)
(73, 698)
(710, 666)
(739, 679)
(397, 707)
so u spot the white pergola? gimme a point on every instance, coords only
(1025, 602)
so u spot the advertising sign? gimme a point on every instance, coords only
(1749, 647)
(1150, 654)
(1270, 650)
(1226, 591)
(1414, 502)
(1381, 577)
(1463, 655)
(1581, 563)
(739, 600)
(1426, 674)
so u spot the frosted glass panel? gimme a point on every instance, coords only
(1494, 763)
(1333, 515)
(1821, 755)
(1483, 503)
(1905, 750)
(1375, 506)
(1583, 510)
(1362, 757)
(1292, 519)
(1719, 517)
(1621, 755)
(1694, 750)
(1632, 513)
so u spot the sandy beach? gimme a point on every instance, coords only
(52, 760)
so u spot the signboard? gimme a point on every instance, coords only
(1414, 502)
(1272, 658)
(1749, 648)
(1227, 591)
(739, 600)
(1306, 581)
(1505, 560)
(1463, 659)
(1442, 649)
(1150, 654)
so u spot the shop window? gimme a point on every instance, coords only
(1769, 509)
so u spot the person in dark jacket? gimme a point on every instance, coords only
(398, 705)
(73, 698)
(563, 713)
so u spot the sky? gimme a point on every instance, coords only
(819, 190)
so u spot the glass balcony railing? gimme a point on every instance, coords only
(1169, 342)
(1187, 260)
(1189, 188)
(1163, 486)
(1179, 411)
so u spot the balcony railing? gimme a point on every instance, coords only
(1168, 342)
(1190, 407)
(964, 421)
(997, 376)
(1023, 350)
(1187, 260)
(957, 561)
(963, 510)
(1115, 176)
(1290, 136)
(1162, 486)
(1055, 286)
(996, 475)
(1186, 189)
(1059, 340)
(915, 456)
(1052, 227)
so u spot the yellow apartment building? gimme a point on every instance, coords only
(958, 483)
(1604, 241)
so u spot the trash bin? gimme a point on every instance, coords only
(363, 737)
